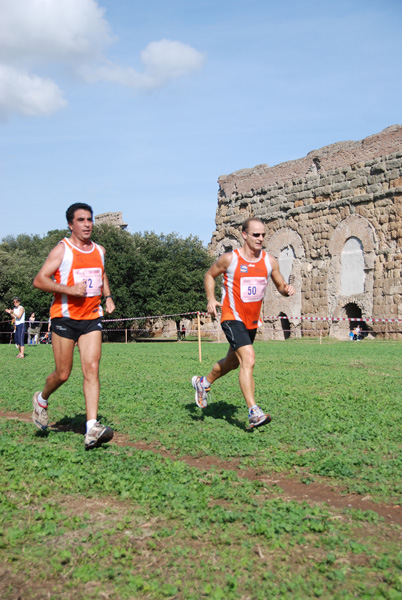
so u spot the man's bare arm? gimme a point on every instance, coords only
(283, 288)
(213, 272)
(110, 306)
(43, 280)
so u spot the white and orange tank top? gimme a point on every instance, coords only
(244, 284)
(79, 265)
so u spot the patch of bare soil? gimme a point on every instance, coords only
(317, 492)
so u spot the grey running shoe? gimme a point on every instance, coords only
(97, 435)
(201, 393)
(257, 417)
(39, 415)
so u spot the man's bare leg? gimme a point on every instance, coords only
(63, 350)
(90, 347)
(223, 366)
(246, 358)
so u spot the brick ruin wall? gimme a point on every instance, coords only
(334, 222)
(111, 218)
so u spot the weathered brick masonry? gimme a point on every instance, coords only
(334, 222)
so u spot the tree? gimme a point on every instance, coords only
(20, 260)
(154, 274)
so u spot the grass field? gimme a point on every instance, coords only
(191, 505)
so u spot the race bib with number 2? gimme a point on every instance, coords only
(92, 278)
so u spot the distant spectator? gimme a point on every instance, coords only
(19, 313)
(31, 329)
(49, 330)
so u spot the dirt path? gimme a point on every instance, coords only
(293, 489)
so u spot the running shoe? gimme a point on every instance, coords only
(257, 417)
(201, 393)
(97, 435)
(39, 415)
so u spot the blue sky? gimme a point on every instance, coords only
(140, 107)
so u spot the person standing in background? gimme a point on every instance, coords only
(18, 312)
(31, 328)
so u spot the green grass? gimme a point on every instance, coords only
(124, 523)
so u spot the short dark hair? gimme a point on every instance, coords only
(247, 222)
(70, 212)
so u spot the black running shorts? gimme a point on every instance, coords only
(73, 329)
(237, 334)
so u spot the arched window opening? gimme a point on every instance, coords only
(285, 323)
(285, 261)
(353, 312)
(352, 268)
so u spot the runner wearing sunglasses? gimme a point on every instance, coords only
(246, 273)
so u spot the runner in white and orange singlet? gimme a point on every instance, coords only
(246, 273)
(75, 273)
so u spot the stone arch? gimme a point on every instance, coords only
(358, 234)
(284, 238)
(353, 311)
(287, 247)
(354, 314)
(353, 226)
(230, 240)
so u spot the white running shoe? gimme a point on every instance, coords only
(39, 414)
(201, 393)
(98, 435)
(257, 417)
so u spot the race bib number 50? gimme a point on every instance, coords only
(252, 289)
(92, 278)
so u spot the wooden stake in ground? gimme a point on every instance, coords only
(199, 336)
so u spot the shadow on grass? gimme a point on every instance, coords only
(76, 424)
(42, 434)
(218, 410)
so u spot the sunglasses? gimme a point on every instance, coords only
(257, 235)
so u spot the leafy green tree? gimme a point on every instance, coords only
(154, 274)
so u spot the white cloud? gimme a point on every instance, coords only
(28, 94)
(163, 61)
(167, 59)
(37, 33)
(66, 30)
